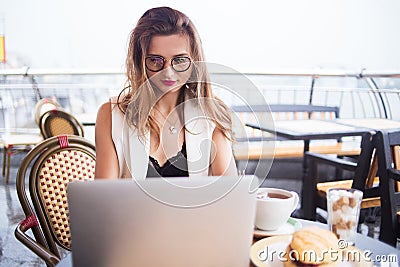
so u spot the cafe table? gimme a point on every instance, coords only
(378, 249)
(307, 130)
(381, 254)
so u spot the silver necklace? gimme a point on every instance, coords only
(172, 129)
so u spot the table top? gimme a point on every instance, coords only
(20, 139)
(371, 123)
(311, 129)
(377, 248)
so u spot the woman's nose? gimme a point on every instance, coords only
(168, 70)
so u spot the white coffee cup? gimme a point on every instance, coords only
(274, 207)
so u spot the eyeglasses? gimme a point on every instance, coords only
(157, 63)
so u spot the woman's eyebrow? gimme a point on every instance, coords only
(178, 55)
(182, 55)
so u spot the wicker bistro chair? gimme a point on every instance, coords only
(54, 163)
(43, 105)
(59, 122)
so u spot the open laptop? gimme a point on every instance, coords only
(207, 221)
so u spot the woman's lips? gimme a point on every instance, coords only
(168, 82)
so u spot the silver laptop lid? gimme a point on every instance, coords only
(207, 221)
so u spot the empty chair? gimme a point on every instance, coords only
(17, 142)
(364, 172)
(43, 105)
(14, 143)
(388, 148)
(49, 167)
(59, 122)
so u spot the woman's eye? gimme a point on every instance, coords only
(179, 60)
(156, 61)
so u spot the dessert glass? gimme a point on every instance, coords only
(343, 212)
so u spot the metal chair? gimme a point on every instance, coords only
(388, 148)
(58, 122)
(14, 143)
(364, 177)
(17, 142)
(51, 165)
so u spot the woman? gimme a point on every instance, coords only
(166, 122)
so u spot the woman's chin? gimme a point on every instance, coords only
(169, 89)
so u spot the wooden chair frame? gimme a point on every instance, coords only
(45, 240)
(364, 170)
(388, 147)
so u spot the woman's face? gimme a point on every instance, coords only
(168, 49)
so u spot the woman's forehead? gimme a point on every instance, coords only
(169, 45)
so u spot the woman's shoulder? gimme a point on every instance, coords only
(111, 104)
(107, 108)
(104, 111)
(110, 114)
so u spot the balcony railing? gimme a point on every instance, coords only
(358, 94)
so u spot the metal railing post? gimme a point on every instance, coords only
(377, 94)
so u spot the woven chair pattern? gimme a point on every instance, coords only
(60, 126)
(56, 172)
(58, 122)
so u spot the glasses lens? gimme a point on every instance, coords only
(181, 64)
(154, 63)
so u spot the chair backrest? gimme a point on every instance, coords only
(43, 105)
(367, 167)
(59, 122)
(315, 188)
(388, 146)
(51, 165)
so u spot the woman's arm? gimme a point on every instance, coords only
(222, 160)
(106, 156)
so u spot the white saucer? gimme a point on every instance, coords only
(288, 228)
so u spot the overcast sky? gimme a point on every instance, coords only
(247, 36)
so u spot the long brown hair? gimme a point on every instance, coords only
(138, 97)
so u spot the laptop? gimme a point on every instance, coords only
(206, 221)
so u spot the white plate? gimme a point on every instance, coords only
(288, 228)
(271, 251)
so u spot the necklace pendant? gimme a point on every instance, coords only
(173, 130)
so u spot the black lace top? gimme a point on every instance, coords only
(175, 166)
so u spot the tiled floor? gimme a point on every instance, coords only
(13, 253)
